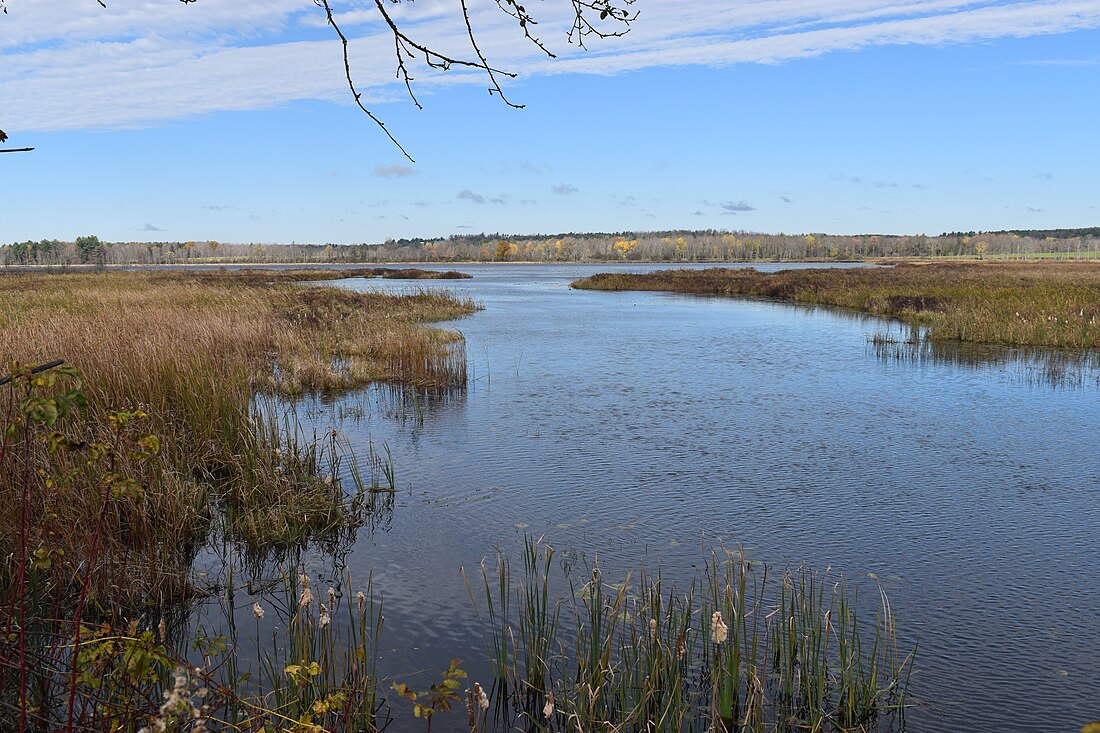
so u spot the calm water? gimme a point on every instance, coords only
(638, 426)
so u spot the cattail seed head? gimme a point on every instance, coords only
(718, 629)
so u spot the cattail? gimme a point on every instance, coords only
(548, 709)
(307, 595)
(653, 628)
(257, 610)
(324, 620)
(481, 698)
(331, 598)
(718, 628)
(360, 600)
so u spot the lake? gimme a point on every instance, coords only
(640, 427)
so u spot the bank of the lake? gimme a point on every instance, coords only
(1051, 304)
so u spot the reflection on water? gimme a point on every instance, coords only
(1057, 368)
(639, 427)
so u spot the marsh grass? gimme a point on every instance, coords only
(189, 355)
(1057, 368)
(1042, 304)
(739, 649)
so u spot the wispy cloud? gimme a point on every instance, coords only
(71, 66)
(394, 171)
(564, 189)
(150, 228)
(468, 195)
(735, 207)
(477, 198)
(1094, 61)
(536, 168)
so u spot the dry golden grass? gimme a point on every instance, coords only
(127, 332)
(191, 351)
(1052, 304)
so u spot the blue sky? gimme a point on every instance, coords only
(227, 120)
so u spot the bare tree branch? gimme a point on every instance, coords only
(351, 83)
(617, 14)
(495, 89)
(4, 138)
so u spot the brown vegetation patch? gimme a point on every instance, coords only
(1020, 303)
(898, 303)
(189, 352)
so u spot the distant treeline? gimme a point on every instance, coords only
(669, 246)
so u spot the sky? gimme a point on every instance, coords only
(231, 120)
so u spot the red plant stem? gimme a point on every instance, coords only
(21, 575)
(84, 589)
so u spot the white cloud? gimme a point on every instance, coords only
(70, 64)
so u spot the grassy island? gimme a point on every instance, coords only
(1048, 304)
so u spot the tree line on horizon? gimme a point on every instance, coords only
(666, 246)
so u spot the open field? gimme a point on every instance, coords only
(1051, 304)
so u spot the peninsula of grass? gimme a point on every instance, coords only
(1048, 304)
(386, 273)
(183, 357)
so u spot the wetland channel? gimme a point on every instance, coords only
(638, 426)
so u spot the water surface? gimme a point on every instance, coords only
(642, 426)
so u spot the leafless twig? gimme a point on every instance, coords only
(356, 95)
(618, 13)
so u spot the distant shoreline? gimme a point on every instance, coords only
(1032, 258)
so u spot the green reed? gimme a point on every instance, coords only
(741, 649)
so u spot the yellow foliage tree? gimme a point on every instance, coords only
(624, 247)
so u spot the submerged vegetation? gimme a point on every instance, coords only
(1048, 304)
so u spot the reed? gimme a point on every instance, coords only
(183, 357)
(1043, 304)
(315, 671)
(732, 651)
